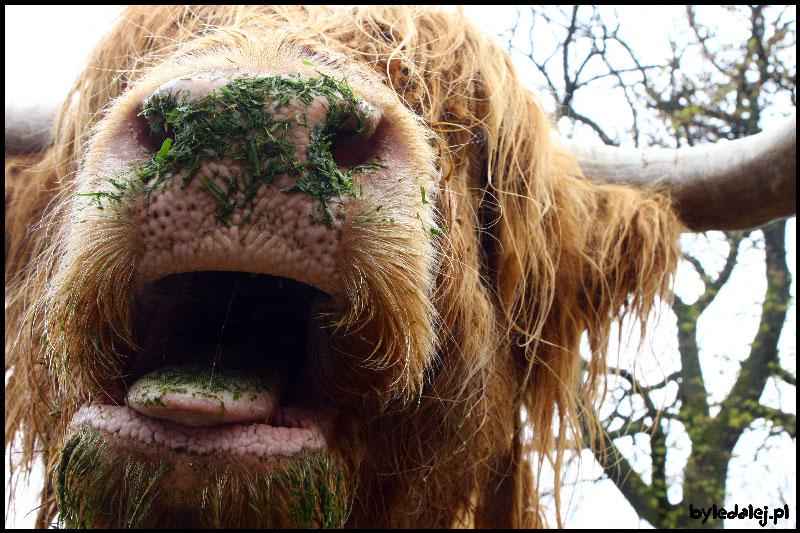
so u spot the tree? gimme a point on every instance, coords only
(715, 84)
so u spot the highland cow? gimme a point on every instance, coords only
(312, 266)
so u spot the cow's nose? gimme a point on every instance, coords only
(252, 172)
(272, 116)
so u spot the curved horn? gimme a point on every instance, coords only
(726, 185)
(30, 128)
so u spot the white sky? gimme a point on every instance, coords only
(41, 61)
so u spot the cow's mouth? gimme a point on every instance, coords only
(230, 363)
(286, 185)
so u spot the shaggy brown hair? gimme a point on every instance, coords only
(484, 381)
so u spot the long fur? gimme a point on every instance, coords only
(534, 257)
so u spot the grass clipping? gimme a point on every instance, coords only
(237, 122)
(137, 491)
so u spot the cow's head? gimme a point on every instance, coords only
(287, 267)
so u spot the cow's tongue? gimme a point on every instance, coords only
(195, 395)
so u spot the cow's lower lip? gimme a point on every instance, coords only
(257, 440)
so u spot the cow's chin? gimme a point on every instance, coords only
(109, 481)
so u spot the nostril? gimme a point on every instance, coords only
(349, 153)
(155, 139)
(350, 148)
(149, 138)
(135, 139)
(156, 115)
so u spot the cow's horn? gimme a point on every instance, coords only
(727, 185)
(29, 128)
